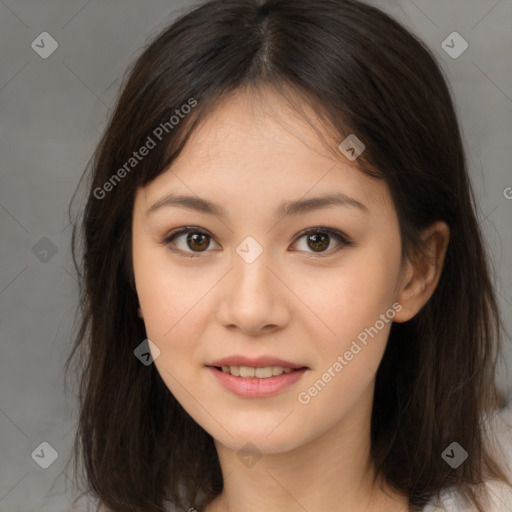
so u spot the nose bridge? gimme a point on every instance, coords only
(253, 296)
(253, 276)
(251, 273)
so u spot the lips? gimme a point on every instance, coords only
(257, 377)
(257, 362)
(253, 387)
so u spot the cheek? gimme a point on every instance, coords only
(171, 306)
(167, 294)
(352, 297)
(357, 306)
(176, 302)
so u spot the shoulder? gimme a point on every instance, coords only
(500, 494)
(500, 500)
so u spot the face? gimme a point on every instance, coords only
(251, 267)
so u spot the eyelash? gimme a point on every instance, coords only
(332, 233)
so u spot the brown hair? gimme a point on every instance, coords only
(364, 74)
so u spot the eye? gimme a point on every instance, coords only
(319, 239)
(197, 240)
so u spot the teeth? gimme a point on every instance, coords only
(263, 373)
(260, 373)
(247, 371)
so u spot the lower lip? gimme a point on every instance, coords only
(252, 387)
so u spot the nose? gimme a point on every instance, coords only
(254, 300)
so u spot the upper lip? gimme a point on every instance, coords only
(256, 362)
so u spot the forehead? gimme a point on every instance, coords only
(256, 148)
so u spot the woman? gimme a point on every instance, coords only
(286, 302)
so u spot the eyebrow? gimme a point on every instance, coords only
(285, 209)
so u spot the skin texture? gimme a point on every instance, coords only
(291, 302)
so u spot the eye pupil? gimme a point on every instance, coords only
(318, 240)
(318, 244)
(197, 238)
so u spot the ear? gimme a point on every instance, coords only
(139, 312)
(420, 276)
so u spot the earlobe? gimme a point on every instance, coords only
(422, 275)
(139, 312)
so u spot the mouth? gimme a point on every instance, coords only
(263, 367)
(262, 372)
(259, 377)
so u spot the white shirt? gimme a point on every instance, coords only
(500, 494)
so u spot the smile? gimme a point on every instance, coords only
(264, 372)
(247, 384)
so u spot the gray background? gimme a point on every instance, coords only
(52, 113)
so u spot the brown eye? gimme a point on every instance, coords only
(198, 241)
(318, 241)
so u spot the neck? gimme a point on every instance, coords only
(334, 468)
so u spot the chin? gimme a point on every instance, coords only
(265, 440)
